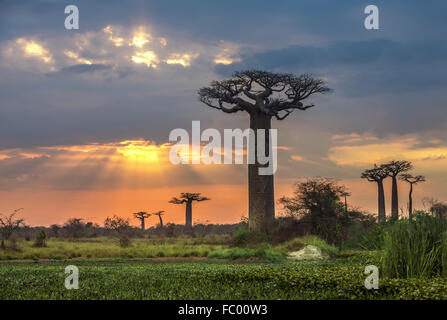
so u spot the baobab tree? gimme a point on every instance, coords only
(142, 216)
(262, 95)
(159, 214)
(378, 174)
(345, 194)
(188, 198)
(411, 180)
(394, 169)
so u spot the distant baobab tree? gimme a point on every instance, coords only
(378, 174)
(411, 180)
(262, 95)
(188, 198)
(142, 216)
(345, 194)
(159, 214)
(395, 168)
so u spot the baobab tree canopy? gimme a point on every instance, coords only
(254, 91)
(396, 167)
(185, 197)
(412, 179)
(375, 174)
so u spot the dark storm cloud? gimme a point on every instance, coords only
(250, 21)
(380, 63)
(83, 68)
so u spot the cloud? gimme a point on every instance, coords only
(295, 157)
(369, 65)
(368, 151)
(83, 68)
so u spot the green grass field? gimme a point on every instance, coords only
(212, 247)
(197, 269)
(166, 279)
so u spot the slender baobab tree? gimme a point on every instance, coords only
(159, 214)
(142, 216)
(188, 198)
(345, 194)
(262, 95)
(395, 168)
(411, 180)
(378, 174)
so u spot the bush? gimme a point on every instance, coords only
(263, 253)
(41, 238)
(124, 241)
(373, 239)
(241, 236)
(416, 248)
(318, 202)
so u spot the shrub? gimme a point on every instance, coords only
(299, 243)
(241, 236)
(373, 239)
(41, 238)
(318, 202)
(124, 241)
(263, 253)
(416, 248)
(171, 230)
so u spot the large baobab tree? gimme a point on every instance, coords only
(159, 214)
(378, 174)
(142, 216)
(394, 169)
(262, 95)
(188, 198)
(411, 180)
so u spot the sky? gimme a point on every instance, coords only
(85, 114)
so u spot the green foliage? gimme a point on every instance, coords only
(264, 253)
(299, 243)
(318, 201)
(373, 239)
(124, 241)
(241, 236)
(416, 248)
(41, 238)
(338, 279)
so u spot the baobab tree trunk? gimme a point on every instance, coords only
(142, 224)
(161, 221)
(381, 200)
(188, 216)
(410, 202)
(394, 200)
(261, 213)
